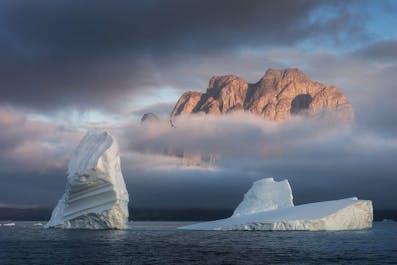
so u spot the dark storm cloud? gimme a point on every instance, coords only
(94, 53)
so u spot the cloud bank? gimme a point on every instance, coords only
(33, 146)
(322, 158)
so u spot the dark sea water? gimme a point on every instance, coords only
(160, 243)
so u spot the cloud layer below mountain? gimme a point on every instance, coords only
(322, 159)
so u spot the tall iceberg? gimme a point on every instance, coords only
(268, 206)
(95, 196)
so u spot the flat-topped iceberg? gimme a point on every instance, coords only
(268, 206)
(95, 196)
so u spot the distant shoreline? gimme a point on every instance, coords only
(152, 214)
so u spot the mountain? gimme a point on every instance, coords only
(149, 117)
(277, 96)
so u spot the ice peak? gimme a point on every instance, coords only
(264, 180)
(265, 195)
(89, 151)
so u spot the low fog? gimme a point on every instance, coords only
(322, 158)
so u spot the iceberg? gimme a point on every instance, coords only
(95, 195)
(268, 206)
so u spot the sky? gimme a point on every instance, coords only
(71, 66)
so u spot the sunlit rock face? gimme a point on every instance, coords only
(268, 206)
(277, 96)
(95, 196)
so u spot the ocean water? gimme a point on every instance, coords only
(161, 243)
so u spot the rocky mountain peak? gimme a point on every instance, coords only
(276, 96)
(149, 117)
(218, 82)
(285, 73)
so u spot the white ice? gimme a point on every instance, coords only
(265, 195)
(279, 213)
(95, 196)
